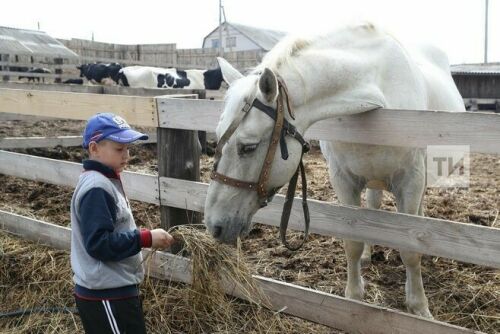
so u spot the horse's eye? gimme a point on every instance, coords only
(245, 149)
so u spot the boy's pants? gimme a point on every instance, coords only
(112, 316)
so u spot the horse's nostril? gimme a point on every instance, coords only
(217, 231)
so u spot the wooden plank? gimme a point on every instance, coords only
(481, 100)
(15, 75)
(414, 128)
(346, 314)
(63, 141)
(438, 237)
(36, 230)
(178, 157)
(136, 110)
(92, 89)
(103, 89)
(40, 65)
(141, 187)
(5, 57)
(32, 142)
(323, 308)
(5, 116)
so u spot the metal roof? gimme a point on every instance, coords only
(32, 42)
(266, 39)
(476, 69)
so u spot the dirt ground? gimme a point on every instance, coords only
(462, 294)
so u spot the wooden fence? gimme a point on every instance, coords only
(462, 242)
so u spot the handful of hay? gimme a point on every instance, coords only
(218, 269)
(216, 266)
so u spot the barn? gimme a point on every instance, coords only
(239, 37)
(479, 85)
(21, 48)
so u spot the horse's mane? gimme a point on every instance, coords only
(282, 52)
(291, 46)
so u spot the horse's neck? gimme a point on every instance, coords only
(326, 83)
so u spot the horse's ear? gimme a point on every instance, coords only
(229, 73)
(268, 85)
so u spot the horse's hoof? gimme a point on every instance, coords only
(421, 311)
(356, 292)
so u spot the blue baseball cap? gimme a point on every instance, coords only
(112, 127)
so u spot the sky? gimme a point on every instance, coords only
(456, 26)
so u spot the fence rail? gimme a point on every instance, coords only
(46, 142)
(414, 128)
(462, 242)
(319, 307)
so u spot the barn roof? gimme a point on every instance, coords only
(264, 38)
(476, 69)
(32, 42)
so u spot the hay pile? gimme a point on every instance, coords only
(34, 276)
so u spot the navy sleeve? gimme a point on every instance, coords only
(97, 213)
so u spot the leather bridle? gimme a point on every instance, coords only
(281, 129)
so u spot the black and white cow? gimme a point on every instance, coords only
(173, 79)
(213, 79)
(99, 73)
(33, 70)
(156, 77)
(141, 76)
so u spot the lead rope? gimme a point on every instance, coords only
(287, 207)
(292, 185)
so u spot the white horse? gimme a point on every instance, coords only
(350, 71)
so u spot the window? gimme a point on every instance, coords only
(230, 42)
(215, 43)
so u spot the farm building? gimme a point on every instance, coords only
(22, 45)
(479, 85)
(238, 37)
(23, 48)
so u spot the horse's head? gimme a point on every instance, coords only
(249, 168)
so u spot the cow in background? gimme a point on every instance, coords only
(193, 79)
(74, 81)
(33, 70)
(156, 77)
(143, 76)
(99, 73)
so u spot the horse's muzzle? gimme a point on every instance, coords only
(228, 230)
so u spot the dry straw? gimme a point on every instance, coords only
(216, 269)
(34, 276)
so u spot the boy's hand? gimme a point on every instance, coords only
(161, 239)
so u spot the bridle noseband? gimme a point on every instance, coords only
(281, 129)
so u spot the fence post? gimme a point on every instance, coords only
(58, 61)
(202, 135)
(178, 157)
(5, 57)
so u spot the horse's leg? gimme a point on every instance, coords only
(409, 194)
(348, 192)
(373, 201)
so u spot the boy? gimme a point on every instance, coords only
(105, 242)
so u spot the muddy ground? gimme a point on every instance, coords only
(459, 293)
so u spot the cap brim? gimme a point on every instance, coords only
(127, 136)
